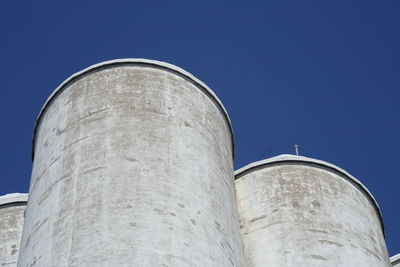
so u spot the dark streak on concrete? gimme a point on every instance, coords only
(218, 225)
(368, 252)
(160, 212)
(317, 231)
(38, 225)
(258, 218)
(50, 188)
(318, 257)
(93, 169)
(93, 113)
(73, 143)
(330, 243)
(54, 161)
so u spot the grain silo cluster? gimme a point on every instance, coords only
(133, 166)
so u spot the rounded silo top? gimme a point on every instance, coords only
(395, 260)
(13, 199)
(297, 160)
(141, 141)
(147, 63)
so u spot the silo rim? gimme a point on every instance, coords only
(13, 198)
(287, 158)
(395, 259)
(134, 61)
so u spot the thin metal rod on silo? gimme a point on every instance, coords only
(296, 148)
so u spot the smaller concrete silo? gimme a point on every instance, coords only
(12, 207)
(395, 260)
(297, 211)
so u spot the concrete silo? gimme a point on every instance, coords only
(12, 207)
(297, 211)
(395, 260)
(132, 166)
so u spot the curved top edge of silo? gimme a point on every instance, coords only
(138, 62)
(8, 199)
(287, 158)
(395, 259)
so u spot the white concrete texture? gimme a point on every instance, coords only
(132, 167)
(395, 260)
(297, 211)
(12, 207)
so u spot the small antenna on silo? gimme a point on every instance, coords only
(296, 148)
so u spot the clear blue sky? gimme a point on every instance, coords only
(324, 74)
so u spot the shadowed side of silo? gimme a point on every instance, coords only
(297, 211)
(133, 166)
(12, 207)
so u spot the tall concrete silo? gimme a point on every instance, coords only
(12, 207)
(298, 211)
(132, 166)
(395, 260)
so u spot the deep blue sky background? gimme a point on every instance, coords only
(324, 74)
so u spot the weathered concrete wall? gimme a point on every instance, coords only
(12, 207)
(297, 211)
(132, 167)
(395, 260)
